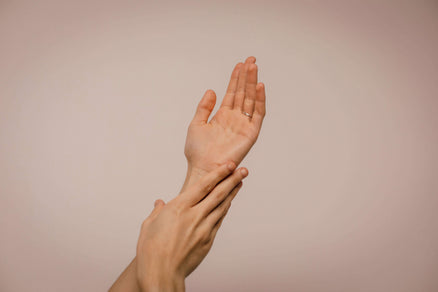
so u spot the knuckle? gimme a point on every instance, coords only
(207, 187)
(218, 196)
(203, 237)
(208, 244)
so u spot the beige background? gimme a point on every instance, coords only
(96, 97)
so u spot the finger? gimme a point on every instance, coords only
(207, 183)
(250, 59)
(260, 105)
(217, 214)
(221, 191)
(250, 94)
(228, 100)
(158, 205)
(215, 228)
(241, 84)
(205, 107)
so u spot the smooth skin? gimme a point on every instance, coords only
(177, 236)
(230, 134)
(227, 137)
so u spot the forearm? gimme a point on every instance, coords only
(163, 285)
(127, 281)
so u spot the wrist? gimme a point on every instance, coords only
(171, 284)
(153, 276)
(127, 281)
(192, 176)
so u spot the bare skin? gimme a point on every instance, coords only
(176, 237)
(227, 137)
(230, 134)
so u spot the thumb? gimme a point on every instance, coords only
(158, 205)
(205, 107)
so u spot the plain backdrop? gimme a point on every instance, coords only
(96, 97)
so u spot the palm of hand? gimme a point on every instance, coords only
(230, 134)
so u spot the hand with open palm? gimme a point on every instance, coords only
(227, 137)
(231, 133)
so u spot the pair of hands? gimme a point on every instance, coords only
(177, 236)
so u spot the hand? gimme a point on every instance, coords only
(230, 134)
(177, 236)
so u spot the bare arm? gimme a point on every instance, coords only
(228, 136)
(176, 236)
(127, 281)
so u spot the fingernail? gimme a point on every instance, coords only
(244, 172)
(231, 166)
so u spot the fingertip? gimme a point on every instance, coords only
(208, 101)
(211, 92)
(244, 171)
(236, 71)
(251, 59)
